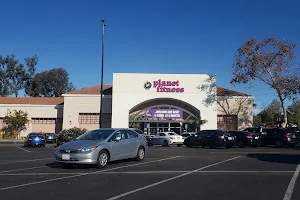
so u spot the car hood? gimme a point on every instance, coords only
(78, 144)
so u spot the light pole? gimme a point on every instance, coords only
(101, 86)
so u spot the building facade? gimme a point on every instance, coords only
(154, 102)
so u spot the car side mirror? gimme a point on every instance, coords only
(118, 138)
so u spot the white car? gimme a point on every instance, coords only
(167, 138)
(186, 134)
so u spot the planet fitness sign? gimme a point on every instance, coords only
(164, 86)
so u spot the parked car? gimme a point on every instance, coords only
(50, 137)
(101, 146)
(211, 138)
(167, 138)
(186, 134)
(244, 138)
(35, 139)
(277, 136)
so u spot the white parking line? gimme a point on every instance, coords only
(84, 174)
(289, 191)
(23, 149)
(15, 170)
(139, 172)
(169, 179)
(21, 161)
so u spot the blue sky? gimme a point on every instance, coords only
(153, 36)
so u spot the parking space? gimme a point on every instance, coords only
(166, 173)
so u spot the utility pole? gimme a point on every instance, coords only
(101, 86)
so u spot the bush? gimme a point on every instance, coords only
(71, 134)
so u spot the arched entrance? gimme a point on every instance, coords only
(163, 114)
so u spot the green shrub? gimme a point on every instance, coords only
(71, 134)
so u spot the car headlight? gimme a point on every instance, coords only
(90, 149)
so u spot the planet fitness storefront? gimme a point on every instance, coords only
(163, 102)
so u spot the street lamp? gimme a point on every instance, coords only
(101, 86)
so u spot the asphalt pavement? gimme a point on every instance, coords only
(166, 173)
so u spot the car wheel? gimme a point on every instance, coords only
(278, 144)
(165, 144)
(103, 159)
(179, 145)
(140, 154)
(67, 165)
(227, 146)
(241, 144)
(292, 145)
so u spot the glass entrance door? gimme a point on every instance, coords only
(156, 127)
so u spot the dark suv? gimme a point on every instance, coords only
(211, 138)
(277, 136)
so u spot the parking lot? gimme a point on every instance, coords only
(166, 173)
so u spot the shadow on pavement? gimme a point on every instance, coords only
(84, 166)
(278, 158)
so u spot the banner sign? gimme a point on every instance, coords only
(163, 113)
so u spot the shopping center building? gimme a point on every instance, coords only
(153, 102)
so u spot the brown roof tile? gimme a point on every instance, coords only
(108, 90)
(92, 90)
(32, 100)
(226, 92)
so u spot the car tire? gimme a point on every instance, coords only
(67, 165)
(278, 144)
(241, 144)
(102, 159)
(165, 144)
(292, 145)
(179, 145)
(227, 146)
(140, 154)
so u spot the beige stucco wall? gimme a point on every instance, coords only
(35, 111)
(237, 105)
(75, 104)
(129, 91)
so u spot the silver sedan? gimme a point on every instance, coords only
(101, 146)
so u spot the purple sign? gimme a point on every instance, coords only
(163, 113)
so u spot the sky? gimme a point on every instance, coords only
(149, 36)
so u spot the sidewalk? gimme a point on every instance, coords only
(11, 140)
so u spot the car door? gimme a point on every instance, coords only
(119, 149)
(133, 142)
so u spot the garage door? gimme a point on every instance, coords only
(46, 125)
(90, 121)
(227, 122)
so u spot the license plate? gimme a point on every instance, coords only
(36, 138)
(256, 137)
(230, 138)
(65, 156)
(294, 136)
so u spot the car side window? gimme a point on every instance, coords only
(123, 134)
(161, 134)
(116, 134)
(131, 134)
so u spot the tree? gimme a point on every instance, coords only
(13, 75)
(15, 122)
(270, 61)
(52, 83)
(294, 113)
(195, 124)
(272, 114)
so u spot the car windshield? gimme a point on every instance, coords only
(96, 135)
